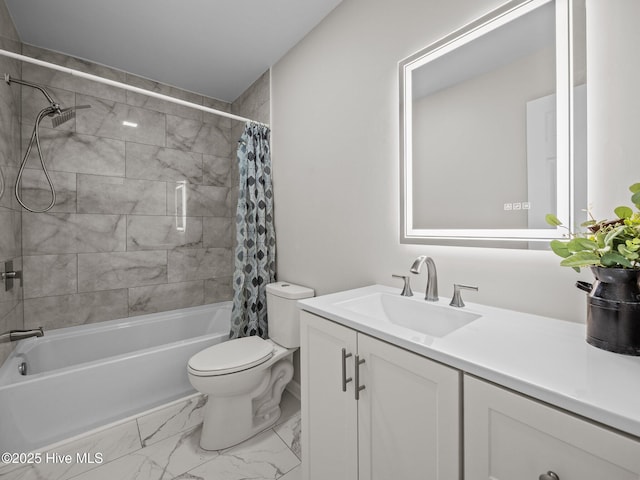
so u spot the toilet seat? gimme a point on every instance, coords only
(231, 356)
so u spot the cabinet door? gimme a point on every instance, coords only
(329, 416)
(508, 436)
(409, 412)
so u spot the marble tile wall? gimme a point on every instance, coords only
(144, 217)
(11, 306)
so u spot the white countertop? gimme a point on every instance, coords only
(545, 358)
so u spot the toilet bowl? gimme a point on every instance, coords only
(244, 378)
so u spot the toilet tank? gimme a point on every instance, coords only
(282, 313)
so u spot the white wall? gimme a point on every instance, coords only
(335, 108)
(613, 104)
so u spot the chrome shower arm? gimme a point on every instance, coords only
(9, 79)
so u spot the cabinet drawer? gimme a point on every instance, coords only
(508, 436)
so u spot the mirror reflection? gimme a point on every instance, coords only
(483, 107)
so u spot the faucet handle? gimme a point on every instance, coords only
(456, 301)
(406, 290)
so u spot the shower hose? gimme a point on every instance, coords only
(35, 139)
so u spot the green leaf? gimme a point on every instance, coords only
(581, 259)
(585, 243)
(632, 245)
(628, 254)
(588, 223)
(552, 220)
(611, 259)
(623, 212)
(608, 240)
(635, 198)
(635, 188)
(559, 248)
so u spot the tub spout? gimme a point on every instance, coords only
(15, 335)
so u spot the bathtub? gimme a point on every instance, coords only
(80, 378)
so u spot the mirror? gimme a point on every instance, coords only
(493, 122)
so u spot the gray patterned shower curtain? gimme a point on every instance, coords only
(255, 259)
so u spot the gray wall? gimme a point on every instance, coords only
(112, 246)
(11, 306)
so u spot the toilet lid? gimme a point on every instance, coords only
(231, 356)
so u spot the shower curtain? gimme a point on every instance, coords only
(255, 259)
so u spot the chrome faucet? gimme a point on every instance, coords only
(431, 294)
(15, 335)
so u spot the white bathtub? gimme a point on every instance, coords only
(79, 378)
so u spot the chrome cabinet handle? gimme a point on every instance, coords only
(359, 388)
(549, 476)
(345, 380)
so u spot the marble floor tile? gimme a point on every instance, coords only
(136, 466)
(160, 461)
(295, 474)
(111, 444)
(168, 421)
(264, 456)
(289, 432)
(164, 445)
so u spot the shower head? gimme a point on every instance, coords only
(65, 114)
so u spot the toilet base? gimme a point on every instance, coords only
(231, 420)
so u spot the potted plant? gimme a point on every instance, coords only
(611, 248)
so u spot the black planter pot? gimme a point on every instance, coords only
(613, 310)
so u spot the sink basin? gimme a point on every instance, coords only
(410, 312)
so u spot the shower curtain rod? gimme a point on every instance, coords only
(113, 83)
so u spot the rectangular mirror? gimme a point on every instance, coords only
(493, 123)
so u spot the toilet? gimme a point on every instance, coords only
(244, 378)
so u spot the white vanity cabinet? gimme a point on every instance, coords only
(405, 423)
(508, 436)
